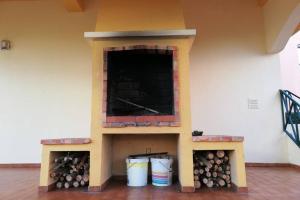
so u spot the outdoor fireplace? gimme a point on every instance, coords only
(141, 86)
(141, 96)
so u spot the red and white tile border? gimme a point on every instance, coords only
(218, 138)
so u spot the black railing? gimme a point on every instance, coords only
(290, 106)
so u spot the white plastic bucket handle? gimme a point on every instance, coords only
(169, 169)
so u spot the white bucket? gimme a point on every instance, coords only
(161, 171)
(137, 171)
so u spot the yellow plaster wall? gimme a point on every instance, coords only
(120, 15)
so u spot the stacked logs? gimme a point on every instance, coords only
(211, 169)
(71, 170)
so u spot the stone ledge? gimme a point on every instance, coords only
(61, 141)
(218, 138)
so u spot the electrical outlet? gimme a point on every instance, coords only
(148, 150)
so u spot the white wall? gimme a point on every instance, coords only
(45, 79)
(228, 66)
(290, 72)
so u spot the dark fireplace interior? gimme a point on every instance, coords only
(140, 82)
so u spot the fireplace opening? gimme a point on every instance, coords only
(140, 82)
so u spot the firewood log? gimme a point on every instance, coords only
(197, 184)
(228, 185)
(215, 167)
(83, 160)
(59, 185)
(217, 161)
(196, 172)
(78, 178)
(210, 155)
(75, 184)
(226, 158)
(75, 161)
(220, 154)
(201, 171)
(196, 178)
(214, 174)
(210, 184)
(228, 172)
(221, 175)
(205, 180)
(207, 163)
(220, 169)
(85, 178)
(228, 177)
(221, 182)
(82, 183)
(208, 174)
(67, 185)
(69, 178)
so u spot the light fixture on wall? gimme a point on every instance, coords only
(5, 45)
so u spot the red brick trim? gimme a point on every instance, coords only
(48, 188)
(187, 189)
(124, 121)
(251, 164)
(66, 141)
(101, 187)
(218, 138)
(20, 165)
(297, 167)
(237, 189)
(94, 189)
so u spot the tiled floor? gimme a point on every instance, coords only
(264, 183)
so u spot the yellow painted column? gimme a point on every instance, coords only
(45, 164)
(95, 165)
(237, 162)
(185, 162)
(185, 150)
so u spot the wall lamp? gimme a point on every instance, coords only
(5, 45)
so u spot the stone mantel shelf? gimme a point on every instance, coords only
(218, 138)
(150, 33)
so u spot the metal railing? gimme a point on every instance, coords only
(290, 106)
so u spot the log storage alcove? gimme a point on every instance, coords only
(222, 159)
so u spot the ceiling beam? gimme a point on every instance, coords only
(261, 3)
(74, 5)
